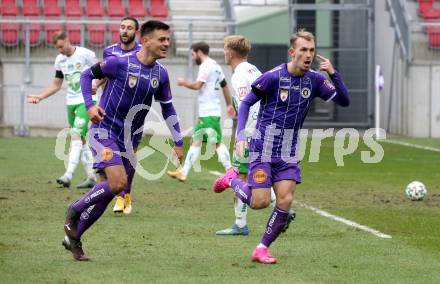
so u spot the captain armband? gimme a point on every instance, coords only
(97, 71)
(223, 83)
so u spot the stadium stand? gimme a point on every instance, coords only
(158, 9)
(96, 31)
(31, 10)
(9, 31)
(429, 13)
(115, 11)
(51, 11)
(137, 9)
(73, 11)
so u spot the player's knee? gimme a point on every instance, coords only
(118, 185)
(284, 201)
(260, 203)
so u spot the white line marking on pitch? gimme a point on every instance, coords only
(333, 217)
(410, 145)
(345, 221)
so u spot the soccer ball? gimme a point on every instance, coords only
(416, 191)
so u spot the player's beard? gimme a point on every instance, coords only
(128, 39)
(198, 60)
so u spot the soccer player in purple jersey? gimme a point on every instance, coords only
(285, 94)
(133, 81)
(128, 29)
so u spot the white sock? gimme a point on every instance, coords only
(240, 213)
(273, 198)
(74, 154)
(223, 156)
(191, 157)
(87, 161)
(260, 245)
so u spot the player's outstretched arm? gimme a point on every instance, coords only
(341, 97)
(54, 87)
(195, 85)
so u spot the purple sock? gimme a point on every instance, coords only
(274, 226)
(90, 215)
(101, 191)
(242, 191)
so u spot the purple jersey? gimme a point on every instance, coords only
(285, 101)
(128, 95)
(116, 50)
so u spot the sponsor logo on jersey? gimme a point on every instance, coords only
(260, 176)
(329, 85)
(154, 82)
(296, 88)
(70, 67)
(134, 65)
(285, 79)
(106, 154)
(146, 77)
(305, 93)
(132, 80)
(306, 80)
(284, 94)
(242, 92)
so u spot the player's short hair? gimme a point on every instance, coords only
(136, 23)
(239, 44)
(152, 25)
(202, 46)
(302, 33)
(59, 35)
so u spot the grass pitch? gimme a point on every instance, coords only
(169, 237)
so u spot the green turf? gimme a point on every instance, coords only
(169, 237)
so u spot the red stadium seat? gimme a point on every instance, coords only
(50, 29)
(96, 34)
(9, 33)
(158, 9)
(94, 9)
(114, 32)
(74, 33)
(9, 8)
(427, 10)
(137, 9)
(72, 9)
(115, 9)
(433, 36)
(34, 33)
(30, 8)
(51, 8)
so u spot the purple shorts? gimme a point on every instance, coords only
(106, 152)
(264, 174)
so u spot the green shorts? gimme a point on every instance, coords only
(241, 164)
(208, 130)
(78, 119)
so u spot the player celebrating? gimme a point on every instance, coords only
(69, 64)
(285, 94)
(133, 80)
(210, 80)
(128, 29)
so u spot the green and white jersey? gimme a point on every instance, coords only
(72, 66)
(211, 74)
(242, 78)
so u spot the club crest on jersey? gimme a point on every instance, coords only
(106, 154)
(78, 66)
(132, 81)
(305, 92)
(154, 82)
(284, 94)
